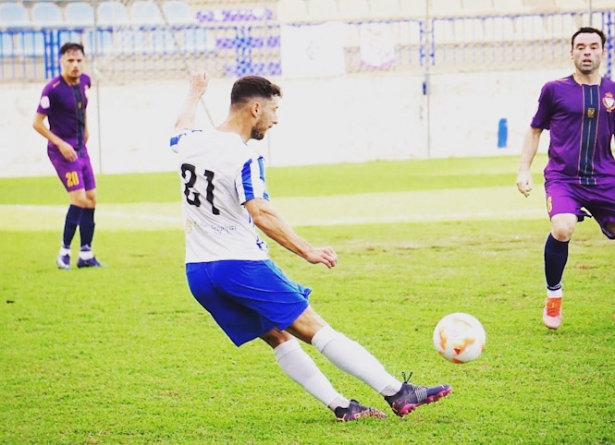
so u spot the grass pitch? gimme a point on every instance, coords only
(124, 355)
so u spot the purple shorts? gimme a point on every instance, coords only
(75, 175)
(597, 201)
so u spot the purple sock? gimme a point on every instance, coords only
(86, 228)
(70, 225)
(556, 256)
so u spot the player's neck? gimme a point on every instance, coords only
(70, 80)
(234, 125)
(587, 79)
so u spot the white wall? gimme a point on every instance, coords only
(349, 119)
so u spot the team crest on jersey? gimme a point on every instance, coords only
(609, 102)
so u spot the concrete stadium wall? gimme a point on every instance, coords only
(349, 119)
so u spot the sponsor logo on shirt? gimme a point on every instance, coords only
(609, 102)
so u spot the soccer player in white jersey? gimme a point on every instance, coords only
(228, 267)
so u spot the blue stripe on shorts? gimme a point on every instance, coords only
(247, 298)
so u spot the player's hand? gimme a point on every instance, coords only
(323, 255)
(67, 151)
(198, 82)
(524, 182)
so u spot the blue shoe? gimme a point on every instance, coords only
(63, 261)
(356, 411)
(90, 262)
(411, 396)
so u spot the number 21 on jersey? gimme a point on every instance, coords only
(192, 196)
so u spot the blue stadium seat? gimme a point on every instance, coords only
(143, 12)
(162, 41)
(14, 15)
(178, 12)
(31, 43)
(6, 45)
(79, 14)
(112, 13)
(194, 40)
(47, 14)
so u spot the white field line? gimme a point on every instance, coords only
(434, 205)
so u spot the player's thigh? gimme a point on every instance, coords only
(602, 207)
(70, 173)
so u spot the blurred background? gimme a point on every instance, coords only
(363, 79)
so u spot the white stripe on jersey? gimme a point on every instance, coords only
(219, 173)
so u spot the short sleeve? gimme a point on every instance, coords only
(544, 113)
(250, 180)
(44, 103)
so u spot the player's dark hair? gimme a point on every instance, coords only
(253, 86)
(71, 46)
(588, 30)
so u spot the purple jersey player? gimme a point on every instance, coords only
(579, 112)
(63, 102)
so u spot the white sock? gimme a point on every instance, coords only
(64, 251)
(555, 293)
(300, 367)
(351, 357)
(86, 254)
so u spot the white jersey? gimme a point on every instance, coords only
(219, 173)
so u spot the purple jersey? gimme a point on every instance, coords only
(581, 121)
(64, 105)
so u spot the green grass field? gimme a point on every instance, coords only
(124, 355)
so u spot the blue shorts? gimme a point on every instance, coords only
(597, 201)
(247, 298)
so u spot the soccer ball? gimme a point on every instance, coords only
(459, 338)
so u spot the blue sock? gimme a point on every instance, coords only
(70, 225)
(556, 256)
(86, 228)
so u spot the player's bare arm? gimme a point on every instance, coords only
(198, 86)
(65, 148)
(270, 221)
(528, 152)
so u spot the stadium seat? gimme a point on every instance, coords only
(47, 14)
(31, 43)
(178, 13)
(112, 13)
(354, 9)
(444, 32)
(292, 11)
(323, 10)
(413, 8)
(385, 9)
(499, 29)
(574, 5)
(478, 7)
(562, 26)
(531, 27)
(143, 12)
(445, 8)
(162, 41)
(14, 15)
(6, 45)
(509, 7)
(79, 14)
(195, 41)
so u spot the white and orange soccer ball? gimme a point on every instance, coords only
(459, 338)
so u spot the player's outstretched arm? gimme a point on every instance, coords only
(528, 152)
(198, 86)
(268, 219)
